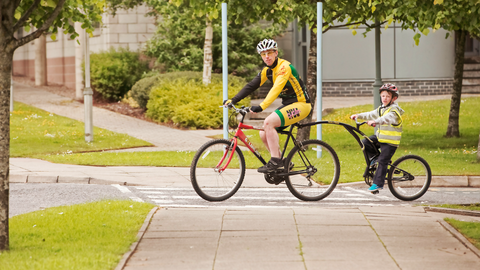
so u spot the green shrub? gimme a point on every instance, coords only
(114, 72)
(187, 102)
(141, 89)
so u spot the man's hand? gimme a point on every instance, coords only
(256, 109)
(227, 102)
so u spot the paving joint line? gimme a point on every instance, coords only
(380, 239)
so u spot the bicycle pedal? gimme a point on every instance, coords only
(375, 192)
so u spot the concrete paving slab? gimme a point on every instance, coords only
(264, 265)
(177, 219)
(315, 249)
(389, 230)
(339, 219)
(337, 233)
(439, 254)
(183, 253)
(418, 241)
(264, 224)
(259, 248)
(438, 265)
(181, 234)
(350, 264)
(258, 233)
(259, 214)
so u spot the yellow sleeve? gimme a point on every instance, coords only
(280, 81)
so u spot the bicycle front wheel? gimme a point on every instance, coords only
(313, 170)
(211, 178)
(409, 177)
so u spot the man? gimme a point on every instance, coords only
(289, 87)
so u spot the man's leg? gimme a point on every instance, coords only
(270, 136)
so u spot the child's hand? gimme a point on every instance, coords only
(371, 123)
(353, 117)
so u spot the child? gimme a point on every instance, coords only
(388, 118)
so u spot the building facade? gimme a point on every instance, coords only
(65, 56)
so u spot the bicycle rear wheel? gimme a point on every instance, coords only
(209, 179)
(314, 170)
(409, 177)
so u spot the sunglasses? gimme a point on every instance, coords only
(263, 54)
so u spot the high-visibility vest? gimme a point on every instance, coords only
(390, 133)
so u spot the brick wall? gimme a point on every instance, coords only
(364, 88)
(406, 88)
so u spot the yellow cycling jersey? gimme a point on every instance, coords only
(286, 84)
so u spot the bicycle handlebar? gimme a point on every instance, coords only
(361, 123)
(242, 110)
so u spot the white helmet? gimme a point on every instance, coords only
(267, 44)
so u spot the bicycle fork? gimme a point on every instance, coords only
(225, 154)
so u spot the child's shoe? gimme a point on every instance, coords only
(374, 188)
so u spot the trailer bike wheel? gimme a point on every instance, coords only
(209, 178)
(409, 177)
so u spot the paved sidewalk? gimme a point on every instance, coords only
(248, 238)
(299, 238)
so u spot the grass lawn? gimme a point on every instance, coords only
(425, 124)
(471, 230)
(85, 236)
(34, 131)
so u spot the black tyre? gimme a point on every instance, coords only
(313, 170)
(209, 179)
(409, 177)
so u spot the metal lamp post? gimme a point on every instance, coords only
(88, 94)
(378, 67)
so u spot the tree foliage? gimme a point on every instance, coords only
(179, 40)
(460, 17)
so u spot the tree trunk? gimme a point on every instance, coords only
(6, 59)
(453, 125)
(41, 60)
(311, 83)
(207, 53)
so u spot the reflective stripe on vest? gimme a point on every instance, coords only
(389, 133)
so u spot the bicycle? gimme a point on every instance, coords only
(408, 177)
(311, 168)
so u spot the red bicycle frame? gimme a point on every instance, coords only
(240, 135)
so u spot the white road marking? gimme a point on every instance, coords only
(127, 191)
